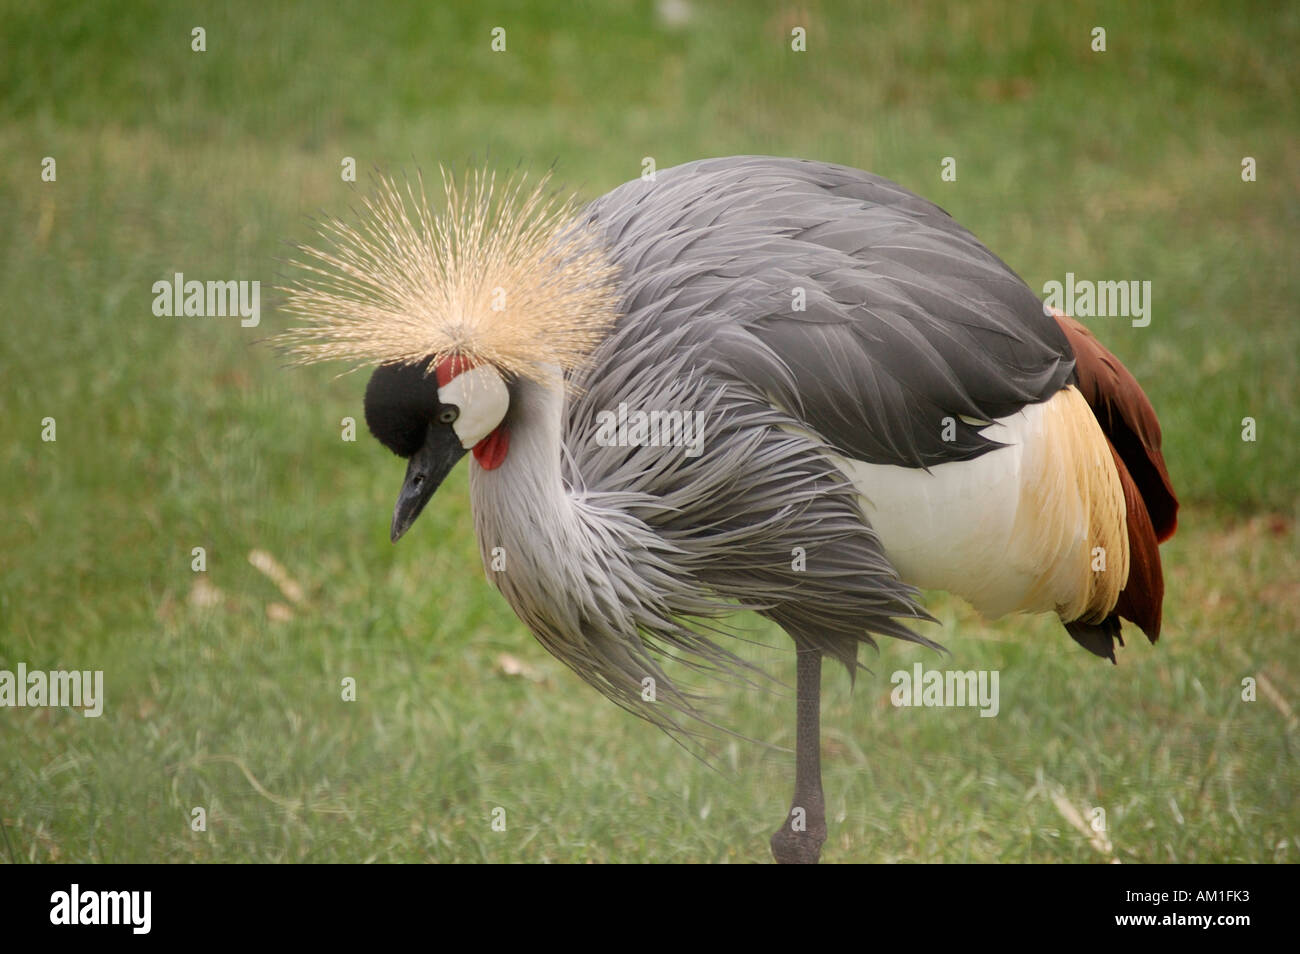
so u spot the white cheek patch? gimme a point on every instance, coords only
(483, 400)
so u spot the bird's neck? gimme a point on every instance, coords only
(530, 476)
(524, 515)
(558, 553)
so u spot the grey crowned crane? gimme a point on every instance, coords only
(879, 404)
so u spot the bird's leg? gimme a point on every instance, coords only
(799, 840)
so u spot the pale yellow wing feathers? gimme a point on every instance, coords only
(1072, 505)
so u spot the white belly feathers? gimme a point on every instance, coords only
(1038, 525)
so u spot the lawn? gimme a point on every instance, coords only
(224, 687)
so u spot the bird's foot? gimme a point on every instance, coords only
(799, 841)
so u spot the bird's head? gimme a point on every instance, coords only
(433, 414)
(503, 284)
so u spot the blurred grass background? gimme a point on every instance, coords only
(175, 433)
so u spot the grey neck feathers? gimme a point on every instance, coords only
(588, 577)
(553, 558)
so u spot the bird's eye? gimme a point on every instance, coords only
(448, 414)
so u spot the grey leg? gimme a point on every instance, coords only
(799, 840)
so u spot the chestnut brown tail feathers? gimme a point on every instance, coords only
(1130, 425)
(1128, 420)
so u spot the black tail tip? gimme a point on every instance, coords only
(1098, 638)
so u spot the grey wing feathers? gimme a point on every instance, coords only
(862, 309)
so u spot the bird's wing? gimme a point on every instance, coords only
(862, 310)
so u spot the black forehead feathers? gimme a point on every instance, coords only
(401, 400)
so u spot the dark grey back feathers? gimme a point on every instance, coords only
(907, 318)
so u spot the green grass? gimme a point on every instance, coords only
(176, 433)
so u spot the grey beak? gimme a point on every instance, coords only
(427, 469)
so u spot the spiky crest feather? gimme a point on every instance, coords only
(509, 277)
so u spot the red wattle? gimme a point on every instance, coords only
(490, 452)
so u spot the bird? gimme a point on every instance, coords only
(741, 383)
